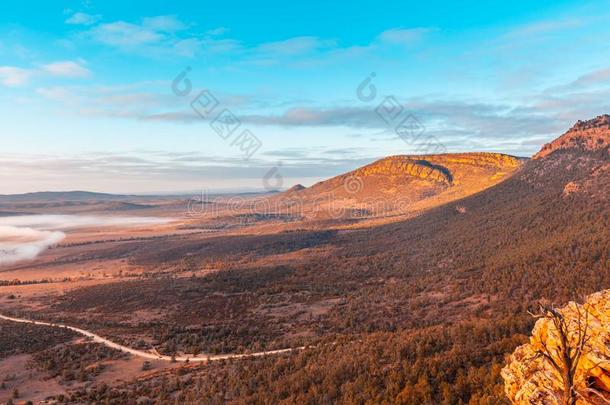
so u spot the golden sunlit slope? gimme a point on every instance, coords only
(399, 185)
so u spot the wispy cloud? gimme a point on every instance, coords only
(403, 36)
(539, 29)
(14, 76)
(493, 120)
(163, 23)
(596, 78)
(162, 35)
(310, 51)
(61, 94)
(83, 19)
(154, 36)
(124, 34)
(357, 117)
(484, 124)
(600, 76)
(132, 101)
(147, 100)
(66, 68)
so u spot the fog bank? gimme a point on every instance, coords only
(24, 237)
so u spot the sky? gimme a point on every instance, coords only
(172, 97)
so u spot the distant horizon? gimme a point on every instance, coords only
(151, 194)
(217, 191)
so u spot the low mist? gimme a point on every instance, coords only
(63, 222)
(17, 244)
(24, 237)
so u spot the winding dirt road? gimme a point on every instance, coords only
(149, 355)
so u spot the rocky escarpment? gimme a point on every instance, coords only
(590, 135)
(483, 159)
(407, 166)
(436, 168)
(530, 378)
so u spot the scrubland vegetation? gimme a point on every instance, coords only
(419, 312)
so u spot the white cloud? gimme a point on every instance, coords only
(135, 101)
(402, 36)
(541, 28)
(166, 35)
(221, 45)
(66, 68)
(595, 77)
(121, 33)
(161, 36)
(57, 94)
(14, 76)
(83, 19)
(152, 30)
(592, 82)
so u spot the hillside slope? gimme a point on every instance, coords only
(400, 185)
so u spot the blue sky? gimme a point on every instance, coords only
(86, 99)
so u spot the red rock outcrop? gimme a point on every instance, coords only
(590, 135)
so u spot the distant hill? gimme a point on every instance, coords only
(126, 206)
(56, 196)
(401, 184)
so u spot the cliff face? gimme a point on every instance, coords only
(407, 166)
(588, 136)
(436, 168)
(530, 378)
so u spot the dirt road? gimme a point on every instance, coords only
(150, 355)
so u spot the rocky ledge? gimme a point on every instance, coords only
(435, 168)
(530, 378)
(407, 166)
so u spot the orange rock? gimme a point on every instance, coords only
(530, 379)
